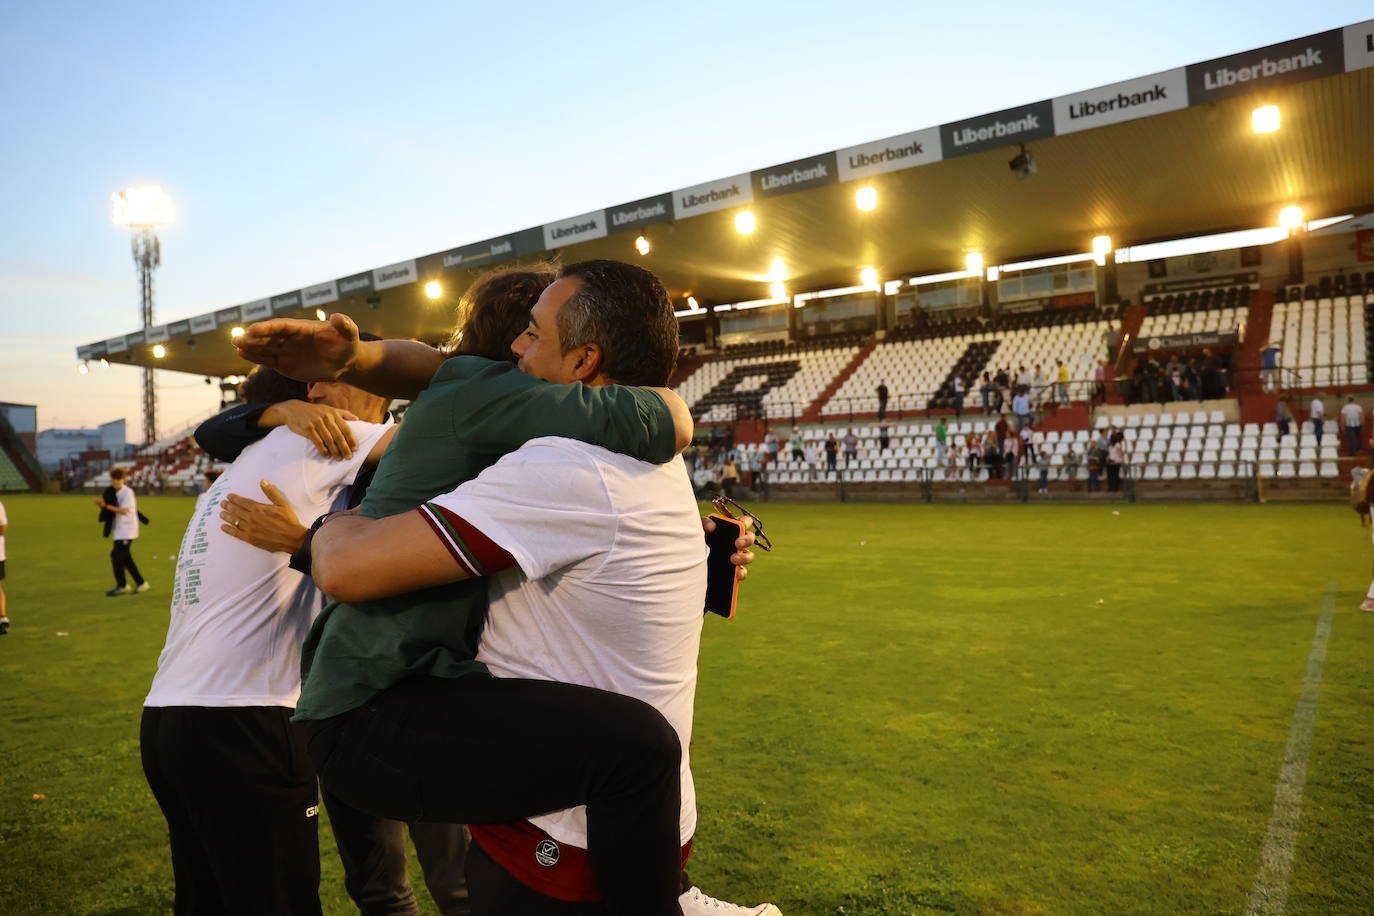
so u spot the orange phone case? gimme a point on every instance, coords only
(721, 546)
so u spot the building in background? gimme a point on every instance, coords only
(71, 447)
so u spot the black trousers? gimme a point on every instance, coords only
(373, 853)
(121, 559)
(482, 750)
(239, 795)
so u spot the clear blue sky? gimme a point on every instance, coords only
(302, 141)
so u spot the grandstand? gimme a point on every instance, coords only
(1323, 334)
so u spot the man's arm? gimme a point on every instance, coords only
(225, 435)
(331, 351)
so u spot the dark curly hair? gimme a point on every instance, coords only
(496, 308)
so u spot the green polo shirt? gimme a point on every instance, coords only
(473, 412)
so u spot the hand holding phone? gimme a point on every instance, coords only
(722, 585)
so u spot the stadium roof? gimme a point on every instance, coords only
(1161, 156)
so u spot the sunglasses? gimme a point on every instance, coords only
(734, 510)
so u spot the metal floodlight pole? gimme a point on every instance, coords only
(147, 253)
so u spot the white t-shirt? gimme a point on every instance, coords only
(1318, 409)
(610, 585)
(239, 614)
(4, 520)
(125, 523)
(1354, 415)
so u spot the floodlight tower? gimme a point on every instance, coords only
(143, 210)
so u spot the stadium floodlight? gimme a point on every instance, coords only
(744, 222)
(866, 198)
(692, 303)
(868, 276)
(1290, 218)
(1265, 119)
(973, 261)
(994, 273)
(777, 271)
(141, 207)
(778, 290)
(642, 245)
(82, 368)
(434, 289)
(143, 210)
(236, 333)
(319, 313)
(1102, 246)
(159, 351)
(232, 379)
(104, 363)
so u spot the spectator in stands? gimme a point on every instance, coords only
(1269, 365)
(1063, 383)
(832, 451)
(1352, 421)
(956, 458)
(1001, 429)
(1116, 457)
(882, 400)
(1042, 463)
(1011, 455)
(704, 479)
(884, 440)
(941, 438)
(1003, 380)
(1035, 445)
(1100, 381)
(797, 446)
(959, 388)
(1283, 416)
(1096, 454)
(989, 391)
(1210, 376)
(813, 460)
(1020, 405)
(1038, 386)
(1071, 459)
(770, 444)
(973, 451)
(851, 447)
(992, 454)
(1318, 414)
(729, 477)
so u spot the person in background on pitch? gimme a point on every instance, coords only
(4, 608)
(1361, 495)
(126, 519)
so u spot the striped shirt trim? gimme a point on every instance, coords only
(478, 554)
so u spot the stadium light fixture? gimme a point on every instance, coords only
(869, 276)
(692, 303)
(232, 379)
(744, 222)
(319, 313)
(82, 368)
(433, 289)
(973, 262)
(777, 271)
(866, 198)
(777, 289)
(104, 363)
(994, 273)
(1023, 164)
(642, 245)
(1265, 119)
(1102, 246)
(236, 333)
(148, 206)
(1290, 218)
(159, 351)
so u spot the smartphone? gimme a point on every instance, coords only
(722, 588)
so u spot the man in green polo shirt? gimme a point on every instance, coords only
(412, 657)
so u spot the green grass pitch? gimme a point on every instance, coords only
(958, 709)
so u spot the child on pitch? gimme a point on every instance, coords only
(1361, 481)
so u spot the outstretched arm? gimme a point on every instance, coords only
(331, 351)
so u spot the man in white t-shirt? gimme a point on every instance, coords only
(4, 607)
(1352, 421)
(228, 769)
(125, 531)
(1318, 415)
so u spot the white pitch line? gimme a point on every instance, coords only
(1269, 896)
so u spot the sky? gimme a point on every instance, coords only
(305, 141)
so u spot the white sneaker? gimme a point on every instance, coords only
(695, 903)
(143, 588)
